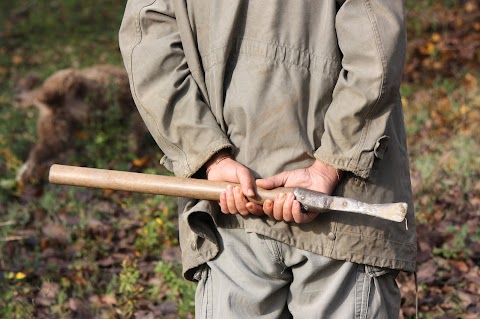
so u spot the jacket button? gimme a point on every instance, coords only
(331, 236)
(193, 245)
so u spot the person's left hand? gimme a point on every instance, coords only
(319, 177)
(235, 200)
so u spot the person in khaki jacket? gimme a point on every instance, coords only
(280, 93)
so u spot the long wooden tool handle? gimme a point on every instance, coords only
(209, 190)
(148, 183)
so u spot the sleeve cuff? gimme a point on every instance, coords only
(186, 167)
(362, 165)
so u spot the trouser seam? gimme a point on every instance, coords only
(273, 247)
(362, 292)
(206, 311)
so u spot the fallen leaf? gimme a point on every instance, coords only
(48, 293)
(16, 59)
(467, 299)
(470, 6)
(56, 232)
(143, 314)
(141, 162)
(74, 304)
(426, 272)
(20, 276)
(109, 300)
(436, 37)
(94, 299)
(106, 262)
(460, 265)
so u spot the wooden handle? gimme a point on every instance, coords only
(149, 183)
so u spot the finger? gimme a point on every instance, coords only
(240, 201)
(272, 181)
(268, 207)
(287, 207)
(278, 206)
(300, 216)
(297, 213)
(255, 209)
(232, 208)
(223, 203)
(247, 182)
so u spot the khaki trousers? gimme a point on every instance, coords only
(256, 277)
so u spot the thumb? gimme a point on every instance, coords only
(273, 181)
(247, 182)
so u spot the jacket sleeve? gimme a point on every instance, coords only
(171, 101)
(371, 37)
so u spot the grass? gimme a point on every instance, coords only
(443, 136)
(67, 251)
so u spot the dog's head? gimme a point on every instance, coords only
(63, 85)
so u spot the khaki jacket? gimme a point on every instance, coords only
(280, 83)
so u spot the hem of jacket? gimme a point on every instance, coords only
(331, 251)
(327, 249)
(190, 265)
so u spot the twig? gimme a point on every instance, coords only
(7, 223)
(11, 238)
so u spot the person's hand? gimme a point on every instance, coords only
(222, 167)
(319, 177)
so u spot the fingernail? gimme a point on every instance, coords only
(250, 193)
(281, 196)
(249, 206)
(239, 191)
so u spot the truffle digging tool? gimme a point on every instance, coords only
(203, 189)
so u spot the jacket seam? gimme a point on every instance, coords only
(313, 57)
(375, 237)
(138, 32)
(285, 63)
(309, 52)
(278, 44)
(381, 54)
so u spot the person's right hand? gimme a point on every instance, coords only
(319, 177)
(222, 167)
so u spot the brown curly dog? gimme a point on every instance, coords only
(66, 100)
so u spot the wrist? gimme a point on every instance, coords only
(216, 159)
(330, 172)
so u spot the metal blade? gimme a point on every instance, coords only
(318, 202)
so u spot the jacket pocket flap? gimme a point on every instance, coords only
(381, 146)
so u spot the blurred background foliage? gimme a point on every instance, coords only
(80, 253)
